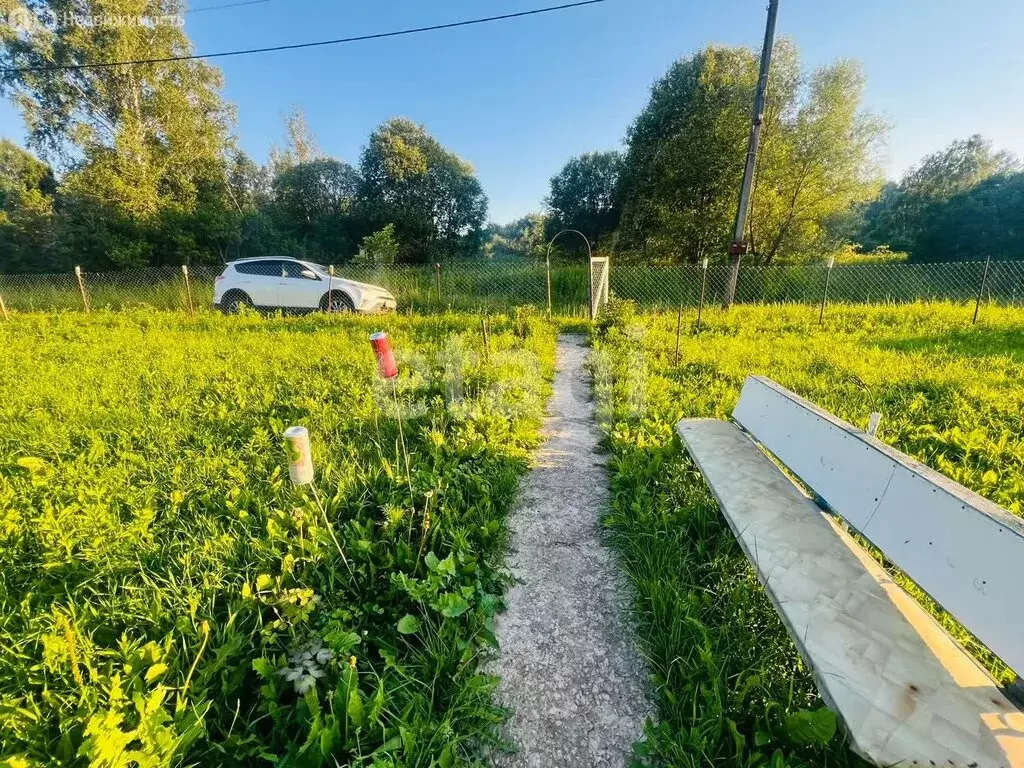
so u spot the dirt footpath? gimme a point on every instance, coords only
(570, 673)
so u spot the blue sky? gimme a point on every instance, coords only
(518, 98)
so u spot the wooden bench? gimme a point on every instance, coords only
(908, 694)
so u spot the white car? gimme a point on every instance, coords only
(289, 284)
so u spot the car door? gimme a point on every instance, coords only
(260, 280)
(299, 287)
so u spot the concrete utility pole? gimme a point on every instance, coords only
(739, 245)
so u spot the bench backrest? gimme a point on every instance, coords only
(963, 550)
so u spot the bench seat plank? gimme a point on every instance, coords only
(906, 692)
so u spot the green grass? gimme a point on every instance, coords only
(730, 685)
(158, 572)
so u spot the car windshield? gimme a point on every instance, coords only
(318, 267)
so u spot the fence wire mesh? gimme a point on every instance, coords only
(500, 285)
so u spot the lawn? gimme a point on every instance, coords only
(731, 688)
(168, 598)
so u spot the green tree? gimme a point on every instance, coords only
(432, 197)
(686, 151)
(302, 146)
(313, 205)
(27, 186)
(523, 238)
(379, 249)
(899, 217)
(819, 163)
(250, 194)
(985, 220)
(584, 197)
(142, 146)
(684, 156)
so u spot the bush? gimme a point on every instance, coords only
(379, 249)
(616, 313)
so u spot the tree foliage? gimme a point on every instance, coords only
(584, 197)
(149, 171)
(985, 220)
(914, 215)
(523, 238)
(27, 186)
(312, 207)
(432, 197)
(380, 248)
(150, 174)
(686, 152)
(141, 147)
(684, 155)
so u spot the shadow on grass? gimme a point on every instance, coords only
(973, 343)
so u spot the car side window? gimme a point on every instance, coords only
(260, 268)
(294, 270)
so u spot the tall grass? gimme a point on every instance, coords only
(730, 683)
(167, 598)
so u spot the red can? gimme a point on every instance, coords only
(386, 365)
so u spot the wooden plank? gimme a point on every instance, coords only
(962, 549)
(906, 692)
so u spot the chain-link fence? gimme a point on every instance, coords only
(805, 284)
(497, 285)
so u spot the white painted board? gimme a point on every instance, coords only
(962, 549)
(906, 692)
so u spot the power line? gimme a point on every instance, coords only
(226, 5)
(299, 46)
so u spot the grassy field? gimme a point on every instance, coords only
(731, 688)
(166, 596)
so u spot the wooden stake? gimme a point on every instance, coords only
(3, 308)
(981, 290)
(703, 290)
(487, 339)
(679, 330)
(81, 286)
(824, 299)
(188, 291)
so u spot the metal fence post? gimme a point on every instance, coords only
(981, 289)
(828, 277)
(3, 308)
(81, 286)
(703, 291)
(437, 281)
(188, 291)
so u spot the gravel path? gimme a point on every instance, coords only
(570, 674)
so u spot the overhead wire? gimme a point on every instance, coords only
(224, 6)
